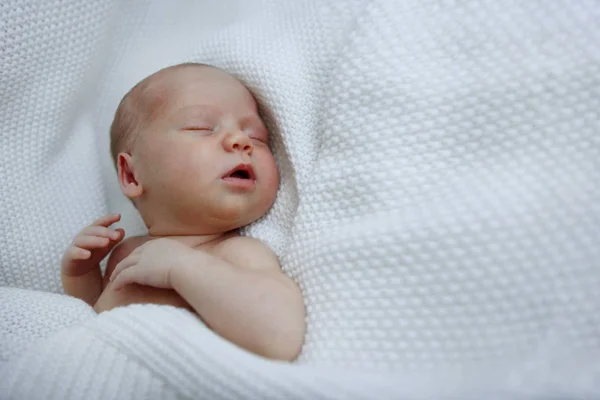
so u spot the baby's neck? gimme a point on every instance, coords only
(194, 240)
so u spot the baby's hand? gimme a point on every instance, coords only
(91, 245)
(150, 264)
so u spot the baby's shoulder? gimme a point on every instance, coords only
(246, 251)
(128, 245)
(121, 251)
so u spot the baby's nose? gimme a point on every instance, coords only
(239, 141)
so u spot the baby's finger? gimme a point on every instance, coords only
(126, 277)
(75, 253)
(116, 236)
(107, 220)
(90, 242)
(101, 231)
(124, 264)
(121, 233)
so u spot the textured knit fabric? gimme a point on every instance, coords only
(439, 203)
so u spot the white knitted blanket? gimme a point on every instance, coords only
(439, 206)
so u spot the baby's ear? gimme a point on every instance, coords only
(130, 186)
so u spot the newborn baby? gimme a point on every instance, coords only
(191, 153)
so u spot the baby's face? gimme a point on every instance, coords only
(204, 160)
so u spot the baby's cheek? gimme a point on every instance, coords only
(186, 166)
(271, 173)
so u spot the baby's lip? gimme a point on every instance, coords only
(241, 171)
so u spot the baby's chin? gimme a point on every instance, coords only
(239, 215)
(240, 222)
(214, 217)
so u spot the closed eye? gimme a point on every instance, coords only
(204, 130)
(258, 135)
(259, 140)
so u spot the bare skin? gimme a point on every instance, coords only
(197, 172)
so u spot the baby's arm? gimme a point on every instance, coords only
(80, 268)
(245, 297)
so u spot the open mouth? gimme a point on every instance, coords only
(242, 171)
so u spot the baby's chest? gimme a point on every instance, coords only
(137, 294)
(140, 294)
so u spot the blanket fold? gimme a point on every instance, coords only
(143, 351)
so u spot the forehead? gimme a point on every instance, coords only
(206, 86)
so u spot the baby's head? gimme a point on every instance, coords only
(192, 152)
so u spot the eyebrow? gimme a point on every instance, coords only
(201, 110)
(197, 110)
(252, 119)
